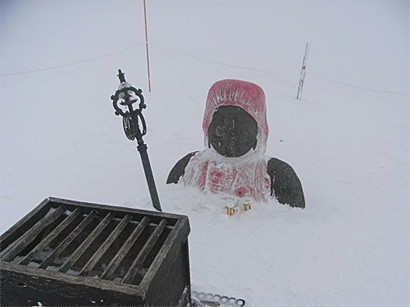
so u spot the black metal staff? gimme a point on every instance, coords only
(126, 96)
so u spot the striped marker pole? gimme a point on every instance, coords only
(146, 47)
(302, 73)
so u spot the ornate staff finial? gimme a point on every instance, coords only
(121, 76)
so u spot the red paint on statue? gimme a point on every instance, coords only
(237, 176)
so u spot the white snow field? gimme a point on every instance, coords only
(347, 139)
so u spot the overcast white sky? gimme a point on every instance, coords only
(363, 43)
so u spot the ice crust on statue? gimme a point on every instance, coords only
(234, 162)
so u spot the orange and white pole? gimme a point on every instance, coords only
(146, 47)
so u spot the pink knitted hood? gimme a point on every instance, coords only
(236, 176)
(246, 95)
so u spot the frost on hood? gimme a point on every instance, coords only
(239, 176)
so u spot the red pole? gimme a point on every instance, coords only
(146, 47)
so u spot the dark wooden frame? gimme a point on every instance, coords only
(165, 283)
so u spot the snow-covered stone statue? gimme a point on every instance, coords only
(234, 161)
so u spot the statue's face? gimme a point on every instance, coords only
(232, 132)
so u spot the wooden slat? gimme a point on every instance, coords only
(29, 220)
(86, 243)
(32, 233)
(70, 238)
(51, 236)
(122, 252)
(139, 260)
(105, 246)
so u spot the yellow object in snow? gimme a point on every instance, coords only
(231, 210)
(247, 206)
(237, 209)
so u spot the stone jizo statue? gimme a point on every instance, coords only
(234, 161)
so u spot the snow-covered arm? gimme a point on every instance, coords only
(179, 168)
(285, 184)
